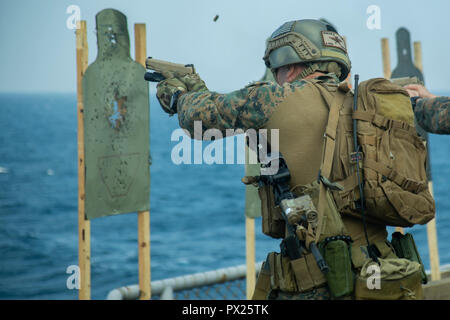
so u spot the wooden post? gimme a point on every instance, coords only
(431, 226)
(386, 58)
(143, 216)
(433, 245)
(144, 255)
(250, 255)
(385, 54)
(418, 55)
(84, 226)
(249, 245)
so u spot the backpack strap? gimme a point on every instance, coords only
(393, 175)
(328, 151)
(382, 122)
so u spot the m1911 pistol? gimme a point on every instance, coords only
(159, 66)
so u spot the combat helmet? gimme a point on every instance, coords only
(313, 42)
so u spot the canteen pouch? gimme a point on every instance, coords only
(340, 276)
(273, 224)
(393, 279)
(405, 247)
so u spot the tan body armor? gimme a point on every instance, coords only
(302, 119)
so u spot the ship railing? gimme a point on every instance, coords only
(226, 283)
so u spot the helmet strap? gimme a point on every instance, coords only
(309, 70)
(325, 67)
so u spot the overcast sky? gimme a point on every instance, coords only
(38, 50)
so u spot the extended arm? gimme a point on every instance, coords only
(247, 108)
(432, 114)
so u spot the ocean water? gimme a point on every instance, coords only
(197, 211)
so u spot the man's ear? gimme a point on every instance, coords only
(292, 73)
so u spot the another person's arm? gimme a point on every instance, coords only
(417, 90)
(431, 111)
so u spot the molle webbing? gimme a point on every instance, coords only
(309, 70)
(382, 122)
(393, 175)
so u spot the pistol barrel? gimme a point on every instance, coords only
(160, 65)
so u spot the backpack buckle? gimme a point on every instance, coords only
(412, 186)
(356, 156)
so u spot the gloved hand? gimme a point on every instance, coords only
(173, 86)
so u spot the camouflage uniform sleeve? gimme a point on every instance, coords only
(432, 114)
(247, 108)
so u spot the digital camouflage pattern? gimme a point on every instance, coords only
(432, 114)
(247, 108)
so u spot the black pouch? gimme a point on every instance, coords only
(405, 247)
(273, 223)
(340, 277)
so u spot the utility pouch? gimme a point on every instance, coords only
(393, 279)
(299, 275)
(285, 273)
(262, 287)
(307, 274)
(405, 247)
(340, 276)
(281, 274)
(273, 223)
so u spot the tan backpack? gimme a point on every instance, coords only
(392, 158)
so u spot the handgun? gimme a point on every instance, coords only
(160, 65)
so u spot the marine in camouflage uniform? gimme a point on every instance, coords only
(432, 114)
(247, 108)
(296, 104)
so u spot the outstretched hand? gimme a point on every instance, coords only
(417, 90)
